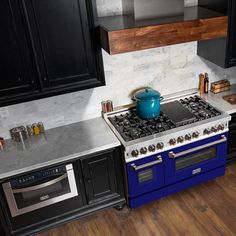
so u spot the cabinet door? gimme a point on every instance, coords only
(16, 74)
(61, 35)
(232, 33)
(99, 177)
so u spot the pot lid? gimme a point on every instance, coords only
(147, 94)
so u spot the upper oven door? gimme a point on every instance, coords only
(145, 175)
(195, 158)
(40, 189)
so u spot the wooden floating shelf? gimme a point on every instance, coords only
(120, 34)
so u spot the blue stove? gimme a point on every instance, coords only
(186, 145)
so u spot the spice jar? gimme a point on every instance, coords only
(36, 129)
(41, 127)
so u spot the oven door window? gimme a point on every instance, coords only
(196, 158)
(29, 196)
(145, 176)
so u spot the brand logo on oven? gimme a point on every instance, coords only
(43, 198)
(198, 170)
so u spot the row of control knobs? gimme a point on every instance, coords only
(173, 141)
(144, 150)
(181, 139)
(214, 129)
(196, 134)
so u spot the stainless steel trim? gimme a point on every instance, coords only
(28, 189)
(176, 155)
(13, 206)
(137, 168)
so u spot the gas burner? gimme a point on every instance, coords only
(131, 127)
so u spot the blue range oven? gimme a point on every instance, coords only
(158, 175)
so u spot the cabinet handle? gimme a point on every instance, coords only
(88, 181)
(19, 79)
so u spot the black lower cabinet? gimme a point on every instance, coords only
(232, 138)
(98, 179)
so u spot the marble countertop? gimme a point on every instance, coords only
(217, 100)
(56, 145)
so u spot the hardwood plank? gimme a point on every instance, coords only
(207, 209)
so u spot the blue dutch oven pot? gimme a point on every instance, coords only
(148, 103)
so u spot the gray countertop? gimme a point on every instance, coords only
(217, 100)
(56, 145)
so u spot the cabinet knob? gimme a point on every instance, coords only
(45, 78)
(88, 181)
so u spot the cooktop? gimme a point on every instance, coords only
(173, 114)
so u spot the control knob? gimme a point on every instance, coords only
(134, 153)
(188, 137)
(196, 134)
(214, 129)
(180, 139)
(160, 145)
(172, 141)
(151, 148)
(221, 127)
(207, 131)
(143, 150)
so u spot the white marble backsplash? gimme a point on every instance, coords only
(167, 69)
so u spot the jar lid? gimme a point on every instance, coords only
(147, 94)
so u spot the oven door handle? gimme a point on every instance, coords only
(137, 168)
(39, 186)
(176, 155)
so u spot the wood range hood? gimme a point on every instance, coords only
(121, 34)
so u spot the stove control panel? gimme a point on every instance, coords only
(168, 143)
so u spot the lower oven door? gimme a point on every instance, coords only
(145, 175)
(195, 158)
(40, 189)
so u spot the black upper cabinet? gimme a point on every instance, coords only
(16, 69)
(61, 37)
(232, 34)
(48, 47)
(221, 51)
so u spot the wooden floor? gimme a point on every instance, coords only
(207, 209)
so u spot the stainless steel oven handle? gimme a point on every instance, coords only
(137, 168)
(39, 186)
(176, 155)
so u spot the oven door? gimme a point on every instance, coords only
(40, 189)
(145, 175)
(196, 158)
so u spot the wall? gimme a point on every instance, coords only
(167, 69)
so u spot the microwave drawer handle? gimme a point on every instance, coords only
(137, 168)
(176, 155)
(39, 186)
